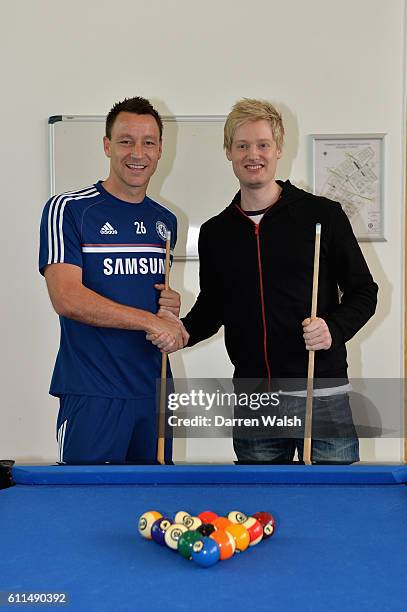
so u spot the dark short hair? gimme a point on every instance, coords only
(138, 106)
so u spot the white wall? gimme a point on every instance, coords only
(333, 66)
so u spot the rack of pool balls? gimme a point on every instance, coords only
(207, 538)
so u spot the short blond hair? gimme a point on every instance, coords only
(249, 109)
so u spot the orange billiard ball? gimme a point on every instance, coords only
(221, 522)
(225, 542)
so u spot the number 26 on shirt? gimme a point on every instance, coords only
(140, 227)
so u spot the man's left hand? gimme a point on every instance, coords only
(316, 334)
(169, 299)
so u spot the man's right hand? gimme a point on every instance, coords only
(168, 334)
(165, 338)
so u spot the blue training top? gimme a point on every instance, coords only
(120, 247)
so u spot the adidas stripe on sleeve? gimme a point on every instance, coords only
(60, 232)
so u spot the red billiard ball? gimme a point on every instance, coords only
(268, 523)
(159, 528)
(207, 516)
(255, 529)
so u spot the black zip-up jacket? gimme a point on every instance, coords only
(256, 280)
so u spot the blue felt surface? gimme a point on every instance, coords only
(337, 548)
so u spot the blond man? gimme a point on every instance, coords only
(256, 262)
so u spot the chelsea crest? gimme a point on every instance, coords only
(161, 229)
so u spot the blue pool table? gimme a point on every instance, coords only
(340, 542)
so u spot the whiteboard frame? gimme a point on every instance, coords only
(54, 119)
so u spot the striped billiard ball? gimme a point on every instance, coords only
(192, 522)
(268, 523)
(181, 516)
(146, 521)
(237, 517)
(226, 543)
(173, 534)
(240, 535)
(255, 529)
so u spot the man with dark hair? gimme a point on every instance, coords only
(137, 105)
(102, 253)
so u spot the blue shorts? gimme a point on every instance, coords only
(96, 430)
(334, 410)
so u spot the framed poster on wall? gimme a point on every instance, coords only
(349, 168)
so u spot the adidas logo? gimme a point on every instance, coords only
(107, 229)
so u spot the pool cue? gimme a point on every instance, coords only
(164, 358)
(311, 354)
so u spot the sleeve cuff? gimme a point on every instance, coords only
(336, 335)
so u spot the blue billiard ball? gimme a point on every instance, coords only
(205, 552)
(159, 528)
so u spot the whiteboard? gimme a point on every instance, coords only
(193, 179)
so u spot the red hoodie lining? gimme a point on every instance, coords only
(263, 312)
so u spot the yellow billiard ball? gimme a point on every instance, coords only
(146, 521)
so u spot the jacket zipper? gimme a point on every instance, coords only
(263, 310)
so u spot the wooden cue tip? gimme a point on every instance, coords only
(318, 228)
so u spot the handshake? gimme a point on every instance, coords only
(167, 331)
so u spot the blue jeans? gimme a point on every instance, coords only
(331, 414)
